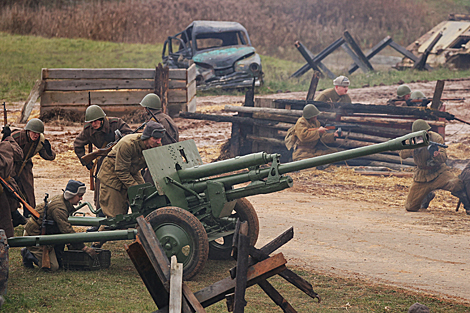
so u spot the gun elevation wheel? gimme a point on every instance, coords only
(182, 234)
(221, 248)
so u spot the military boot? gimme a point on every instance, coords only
(427, 200)
(28, 258)
(18, 219)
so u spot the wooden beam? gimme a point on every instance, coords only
(35, 93)
(352, 43)
(313, 85)
(276, 297)
(176, 286)
(99, 84)
(355, 58)
(436, 99)
(98, 73)
(374, 51)
(101, 98)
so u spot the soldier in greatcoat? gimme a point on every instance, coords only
(99, 130)
(431, 173)
(32, 141)
(10, 152)
(337, 94)
(122, 166)
(311, 138)
(58, 210)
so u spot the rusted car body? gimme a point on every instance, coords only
(453, 48)
(222, 52)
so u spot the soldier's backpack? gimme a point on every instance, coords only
(291, 139)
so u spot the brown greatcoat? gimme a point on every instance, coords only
(24, 168)
(58, 210)
(330, 95)
(171, 133)
(9, 153)
(431, 174)
(119, 171)
(310, 142)
(99, 138)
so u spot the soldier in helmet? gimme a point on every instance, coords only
(431, 173)
(310, 137)
(32, 141)
(403, 95)
(99, 130)
(337, 94)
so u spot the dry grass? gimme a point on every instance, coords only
(273, 25)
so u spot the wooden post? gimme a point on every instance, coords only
(35, 93)
(349, 39)
(313, 85)
(242, 266)
(436, 99)
(161, 85)
(176, 285)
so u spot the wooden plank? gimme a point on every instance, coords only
(177, 84)
(191, 298)
(313, 86)
(177, 95)
(101, 98)
(261, 270)
(36, 92)
(98, 73)
(176, 286)
(374, 51)
(388, 121)
(276, 297)
(385, 173)
(436, 99)
(355, 58)
(115, 111)
(192, 104)
(191, 74)
(139, 258)
(191, 90)
(242, 266)
(178, 73)
(99, 84)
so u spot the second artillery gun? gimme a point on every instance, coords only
(193, 207)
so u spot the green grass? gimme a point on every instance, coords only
(23, 57)
(120, 289)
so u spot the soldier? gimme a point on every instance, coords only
(338, 93)
(58, 210)
(121, 168)
(403, 94)
(431, 173)
(99, 130)
(9, 153)
(311, 137)
(32, 141)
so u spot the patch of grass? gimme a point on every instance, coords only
(120, 289)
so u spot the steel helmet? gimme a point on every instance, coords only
(310, 111)
(403, 90)
(417, 95)
(35, 125)
(93, 113)
(151, 101)
(420, 125)
(341, 81)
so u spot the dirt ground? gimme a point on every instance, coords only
(344, 223)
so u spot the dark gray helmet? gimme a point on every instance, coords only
(35, 125)
(420, 125)
(93, 113)
(310, 111)
(403, 90)
(153, 129)
(151, 101)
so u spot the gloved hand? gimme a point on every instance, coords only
(91, 252)
(47, 146)
(89, 166)
(6, 131)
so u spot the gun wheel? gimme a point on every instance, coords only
(221, 248)
(180, 233)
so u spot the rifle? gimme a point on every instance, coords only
(424, 101)
(90, 150)
(46, 261)
(156, 120)
(17, 197)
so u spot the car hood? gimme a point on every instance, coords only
(222, 57)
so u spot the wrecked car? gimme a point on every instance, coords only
(453, 48)
(222, 52)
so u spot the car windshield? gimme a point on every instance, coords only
(217, 40)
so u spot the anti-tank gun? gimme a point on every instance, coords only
(193, 207)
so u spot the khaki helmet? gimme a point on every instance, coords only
(403, 90)
(35, 125)
(417, 95)
(310, 111)
(420, 125)
(93, 113)
(151, 101)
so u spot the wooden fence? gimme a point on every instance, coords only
(117, 90)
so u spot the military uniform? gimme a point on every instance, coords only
(24, 168)
(99, 138)
(58, 210)
(171, 134)
(119, 171)
(431, 174)
(330, 95)
(9, 153)
(310, 142)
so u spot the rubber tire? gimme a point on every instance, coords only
(245, 211)
(186, 223)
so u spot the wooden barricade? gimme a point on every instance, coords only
(117, 91)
